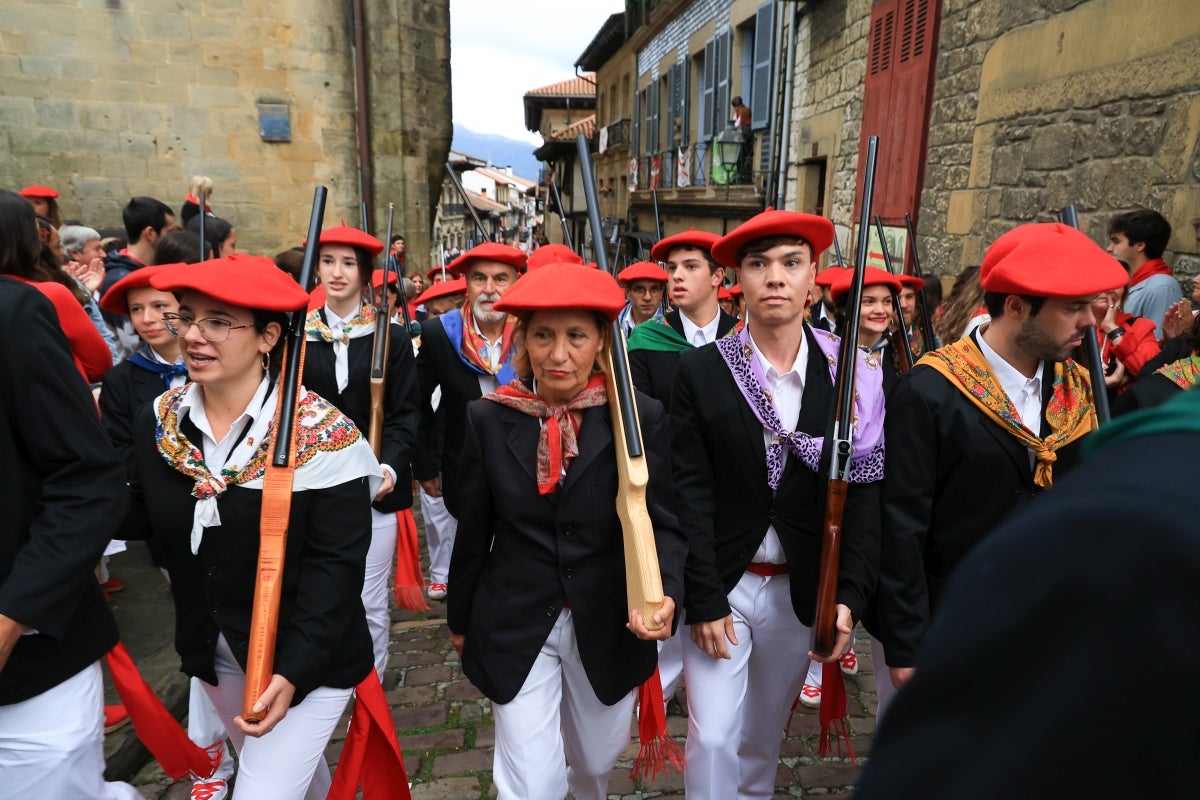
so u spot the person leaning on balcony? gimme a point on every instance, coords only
(741, 123)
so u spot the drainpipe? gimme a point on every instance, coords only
(786, 116)
(362, 111)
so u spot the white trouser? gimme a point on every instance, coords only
(556, 720)
(289, 762)
(738, 707)
(670, 661)
(205, 727)
(52, 745)
(377, 587)
(440, 527)
(883, 679)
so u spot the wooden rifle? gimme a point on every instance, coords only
(380, 346)
(1091, 347)
(841, 432)
(900, 339)
(277, 490)
(926, 315)
(643, 580)
(462, 192)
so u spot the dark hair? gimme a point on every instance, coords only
(994, 302)
(736, 101)
(366, 265)
(1143, 225)
(180, 247)
(216, 230)
(144, 212)
(19, 240)
(291, 261)
(264, 318)
(396, 238)
(713, 264)
(767, 242)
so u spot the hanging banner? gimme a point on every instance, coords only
(633, 174)
(684, 168)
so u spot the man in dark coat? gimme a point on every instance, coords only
(1039, 626)
(981, 425)
(63, 496)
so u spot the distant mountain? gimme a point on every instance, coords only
(499, 150)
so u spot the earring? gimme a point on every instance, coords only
(266, 362)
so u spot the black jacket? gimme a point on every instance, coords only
(726, 506)
(62, 497)
(127, 389)
(952, 476)
(323, 638)
(519, 556)
(653, 372)
(438, 364)
(400, 401)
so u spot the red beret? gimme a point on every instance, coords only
(642, 271)
(33, 190)
(344, 234)
(1049, 259)
(114, 301)
(436, 273)
(735, 290)
(443, 289)
(377, 278)
(488, 251)
(815, 230)
(723, 293)
(872, 277)
(564, 286)
(552, 254)
(911, 281)
(701, 240)
(827, 276)
(317, 297)
(242, 280)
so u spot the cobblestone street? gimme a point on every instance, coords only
(445, 724)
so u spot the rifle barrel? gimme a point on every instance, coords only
(906, 356)
(483, 234)
(926, 315)
(1091, 347)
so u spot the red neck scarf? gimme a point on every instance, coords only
(557, 443)
(475, 349)
(1155, 266)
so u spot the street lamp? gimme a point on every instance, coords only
(727, 151)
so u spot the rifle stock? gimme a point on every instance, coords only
(277, 492)
(643, 579)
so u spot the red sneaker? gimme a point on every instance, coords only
(115, 718)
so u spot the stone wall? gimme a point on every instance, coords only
(106, 99)
(1041, 103)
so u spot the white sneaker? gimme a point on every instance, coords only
(437, 591)
(213, 789)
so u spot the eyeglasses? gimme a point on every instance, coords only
(214, 330)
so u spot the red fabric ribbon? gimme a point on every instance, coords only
(371, 756)
(656, 749)
(410, 583)
(158, 730)
(1155, 266)
(833, 712)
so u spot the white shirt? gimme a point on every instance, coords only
(176, 380)
(1025, 393)
(700, 335)
(788, 392)
(489, 383)
(216, 453)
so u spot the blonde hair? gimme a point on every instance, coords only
(521, 363)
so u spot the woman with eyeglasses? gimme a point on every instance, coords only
(340, 338)
(202, 448)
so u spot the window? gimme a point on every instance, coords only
(760, 82)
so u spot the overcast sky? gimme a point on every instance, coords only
(500, 50)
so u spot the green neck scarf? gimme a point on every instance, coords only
(1179, 415)
(657, 336)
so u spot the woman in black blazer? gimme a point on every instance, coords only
(537, 607)
(199, 452)
(337, 366)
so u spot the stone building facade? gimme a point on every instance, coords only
(106, 99)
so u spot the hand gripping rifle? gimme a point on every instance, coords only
(841, 433)
(277, 490)
(900, 339)
(643, 581)
(926, 315)
(1091, 348)
(380, 346)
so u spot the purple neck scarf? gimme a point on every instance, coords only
(866, 459)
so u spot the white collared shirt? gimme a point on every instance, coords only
(1025, 393)
(787, 390)
(700, 335)
(176, 380)
(217, 453)
(489, 383)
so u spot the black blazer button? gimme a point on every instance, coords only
(771, 514)
(212, 571)
(567, 531)
(550, 611)
(570, 573)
